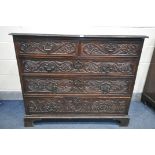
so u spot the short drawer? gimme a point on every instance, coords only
(45, 45)
(113, 47)
(104, 66)
(78, 85)
(76, 105)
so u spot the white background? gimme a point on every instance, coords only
(75, 17)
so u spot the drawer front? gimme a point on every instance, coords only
(118, 67)
(111, 48)
(77, 105)
(46, 45)
(78, 86)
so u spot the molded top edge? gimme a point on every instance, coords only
(88, 36)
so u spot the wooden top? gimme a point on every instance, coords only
(88, 36)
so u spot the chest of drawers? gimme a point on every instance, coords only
(73, 77)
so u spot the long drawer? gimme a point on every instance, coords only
(76, 105)
(118, 67)
(78, 85)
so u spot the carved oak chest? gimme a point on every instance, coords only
(73, 77)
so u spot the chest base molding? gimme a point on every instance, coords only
(30, 119)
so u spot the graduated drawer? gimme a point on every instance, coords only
(112, 47)
(45, 45)
(76, 105)
(105, 66)
(78, 85)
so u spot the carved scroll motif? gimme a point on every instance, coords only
(75, 104)
(47, 46)
(127, 48)
(78, 86)
(78, 66)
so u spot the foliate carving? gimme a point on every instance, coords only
(78, 66)
(103, 86)
(117, 67)
(78, 105)
(129, 48)
(47, 46)
(50, 67)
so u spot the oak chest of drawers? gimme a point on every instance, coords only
(73, 77)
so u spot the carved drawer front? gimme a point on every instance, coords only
(78, 86)
(46, 45)
(119, 67)
(111, 48)
(77, 105)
